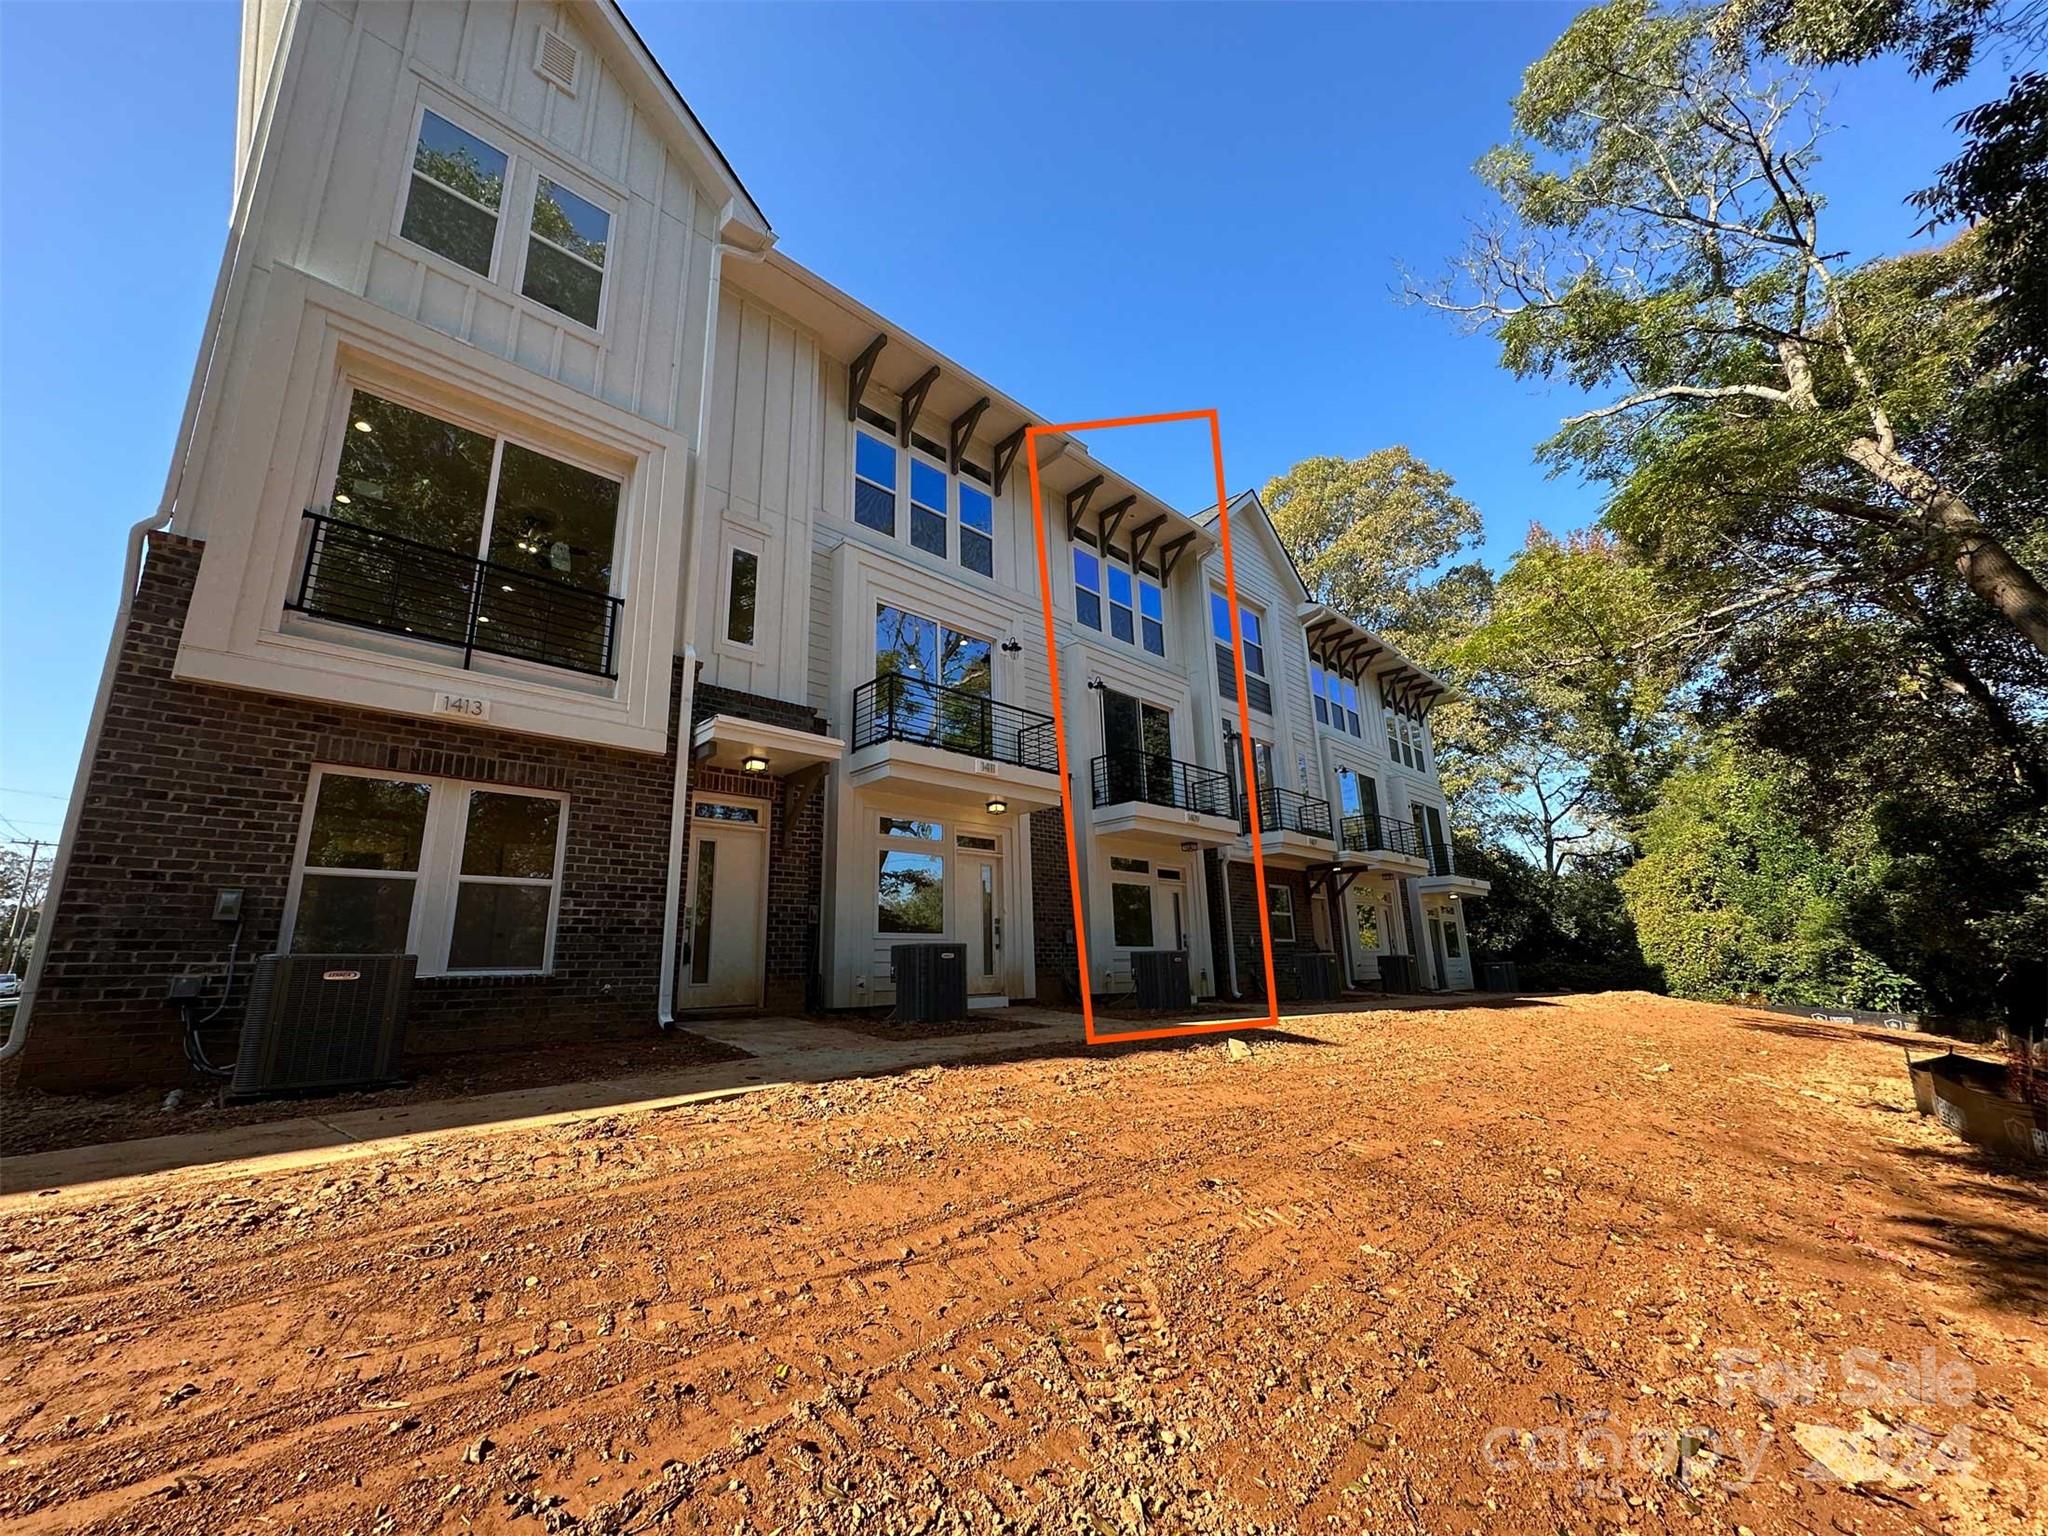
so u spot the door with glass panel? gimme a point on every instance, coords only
(1137, 741)
(1365, 933)
(933, 683)
(722, 928)
(978, 917)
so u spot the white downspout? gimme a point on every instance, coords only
(693, 565)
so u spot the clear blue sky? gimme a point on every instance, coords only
(1104, 210)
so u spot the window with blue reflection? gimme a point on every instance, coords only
(1219, 618)
(1121, 621)
(928, 508)
(977, 530)
(874, 483)
(1087, 588)
(1152, 617)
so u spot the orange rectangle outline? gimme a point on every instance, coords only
(1059, 728)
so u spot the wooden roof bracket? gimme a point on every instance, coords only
(961, 430)
(1006, 455)
(913, 402)
(1111, 518)
(1142, 537)
(1169, 554)
(1077, 503)
(857, 373)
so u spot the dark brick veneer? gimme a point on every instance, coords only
(1052, 907)
(195, 788)
(1244, 929)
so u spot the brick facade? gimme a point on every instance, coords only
(1055, 958)
(197, 788)
(1244, 929)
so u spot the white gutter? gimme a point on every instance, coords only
(693, 565)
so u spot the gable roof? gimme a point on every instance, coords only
(1248, 500)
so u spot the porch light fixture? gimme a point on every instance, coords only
(341, 499)
(997, 807)
(754, 762)
(363, 426)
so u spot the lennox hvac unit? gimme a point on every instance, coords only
(1499, 976)
(322, 1023)
(931, 982)
(1161, 978)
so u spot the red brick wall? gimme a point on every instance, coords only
(1052, 907)
(197, 788)
(1245, 894)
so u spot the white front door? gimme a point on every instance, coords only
(978, 919)
(1365, 934)
(723, 919)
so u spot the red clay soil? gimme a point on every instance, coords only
(34, 1121)
(1444, 1271)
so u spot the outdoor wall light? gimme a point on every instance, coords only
(341, 500)
(1011, 647)
(364, 426)
(997, 807)
(754, 763)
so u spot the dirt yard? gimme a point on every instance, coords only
(1583, 1265)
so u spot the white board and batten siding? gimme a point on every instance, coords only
(324, 282)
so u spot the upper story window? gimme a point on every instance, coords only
(1137, 601)
(1336, 700)
(937, 499)
(1259, 690)
(1406, 741)
(455, 195)
(454, 534)
(874, 483)
(741, 596)
(565, 251)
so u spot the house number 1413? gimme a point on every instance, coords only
(466, 706)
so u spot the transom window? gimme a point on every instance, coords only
(422, 499)
(565, 252)
(453, 200)
(1136, 610)
(466, 876)
(938, 500)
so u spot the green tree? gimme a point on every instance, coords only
(1731, 898)
(1660, 240)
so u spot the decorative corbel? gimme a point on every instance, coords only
(913, 402)
(1077, 503)
(857, 373)
(961, 430)
(1006, 455)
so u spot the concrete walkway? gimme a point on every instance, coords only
(781, 1051)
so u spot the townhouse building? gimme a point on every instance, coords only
(558, 583)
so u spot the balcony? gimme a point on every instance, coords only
(1291, 825)
(960, 746)
(1149, 793)
(1381, 842)
(372, 580)
(1443, 878)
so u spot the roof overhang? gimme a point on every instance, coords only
(1336, 644)
(728, 741)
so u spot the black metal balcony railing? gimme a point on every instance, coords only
(374, 580)
(1380, 834)
(1154, 779)
(1439, 856)
(1286, 810)
(895, 707)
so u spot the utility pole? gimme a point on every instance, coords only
(18, 924)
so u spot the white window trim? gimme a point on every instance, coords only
(1100, 591)
(430, 926)
(569, 181)
(469, 123)
(1285, 909)
(1107, 558)
(906, 457)
(960, 483)
(1245, 610)
(899, 494)
(349, 381)
(735, 545)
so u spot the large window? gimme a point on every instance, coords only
(423, 498)
(1260, 692)
(1131, 914)
(453, 199)
(938, 499)
(1336, 700)
(1406, 741)
(910, 889)
(1280, 909)
(1136, 612)
(932, 678)
(565, 250)
(465, 876)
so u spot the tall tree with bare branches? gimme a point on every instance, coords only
(1772, 410)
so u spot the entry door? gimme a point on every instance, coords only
(722, 935)
(1436, 950)
(1364, 936)
(1170, 908)
(1137, 739)
(979, 920)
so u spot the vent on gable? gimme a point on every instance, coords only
(556, 60)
